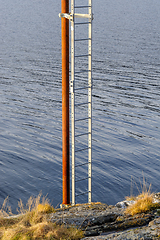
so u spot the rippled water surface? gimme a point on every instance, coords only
(126, 99)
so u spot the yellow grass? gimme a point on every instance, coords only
(33, 223)
(141, 205)
(144, 202)
(45, 208)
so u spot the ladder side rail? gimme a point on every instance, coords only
(90, 104)
(73, 99)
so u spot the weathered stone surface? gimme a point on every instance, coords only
(141, 233)
(155, 222)
(125, 223)
(124, 204)
(86, 215)
(100, 221)
(110, 217)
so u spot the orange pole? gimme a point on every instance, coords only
(65, 102)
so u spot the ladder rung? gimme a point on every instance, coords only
(79, 165)
(81, 119)
(79, 23)
(81, 179)
(82, 134)
(82, 6)
(82, 39)
(80, 104)
(83, 149)
(81, 88)
(82, 193)
(83, 55)
(82, 71)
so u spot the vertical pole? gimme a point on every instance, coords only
(65, 102)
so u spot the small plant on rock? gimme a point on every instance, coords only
(143, 203)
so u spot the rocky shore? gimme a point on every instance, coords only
(102, 221)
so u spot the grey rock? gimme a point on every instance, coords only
(155, 222)
(100, 221)
(111, 217)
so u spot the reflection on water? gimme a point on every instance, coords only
(126, 99)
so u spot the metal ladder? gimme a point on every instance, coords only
(74, 90)
(78, 87)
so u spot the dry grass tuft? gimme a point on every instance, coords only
(33, 223)
(5, 210)
(45, 208)
(39, 203)
(143, 203)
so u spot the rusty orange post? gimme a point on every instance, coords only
(65, 103)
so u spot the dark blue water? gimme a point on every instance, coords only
(126, 99)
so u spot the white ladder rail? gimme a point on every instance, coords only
(90, 104)
(73, 98)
